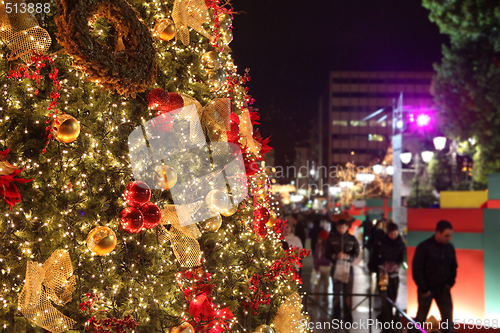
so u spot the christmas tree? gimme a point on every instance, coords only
(133, 195)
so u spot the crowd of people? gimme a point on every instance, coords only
(335, 251)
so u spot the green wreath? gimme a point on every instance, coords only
(128, 69)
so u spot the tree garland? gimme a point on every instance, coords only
(128, 69)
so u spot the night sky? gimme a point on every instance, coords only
(290, 46)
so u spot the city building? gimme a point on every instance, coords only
(355, 95)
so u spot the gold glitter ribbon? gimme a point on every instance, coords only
(289, 315)
(190, 13)
(52, 282)
(246, 133)
(21, 32)
(216, 118)
(183, 239)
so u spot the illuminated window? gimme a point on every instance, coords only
(355, 123)
(383, 123)
(373, 123)
(375, 137)
(340, 123)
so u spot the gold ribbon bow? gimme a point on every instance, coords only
(215, 116)
(183, 239)
(246, 133)
(21, 31)
(52, 282)
(190, 13)
(289, 316)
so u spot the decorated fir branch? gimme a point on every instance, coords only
(114, 233)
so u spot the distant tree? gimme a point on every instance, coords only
(467, 85)
(440, 172)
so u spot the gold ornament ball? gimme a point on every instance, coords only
(214, 40)
(101, 240)
(217, 201)
(225, 21)
(66, 128)
(214, 80)
(185, 327)
(212, 224)
(222, 75)
(232, 209)
(227, 37)
(165, 29)
(272, 219)
(164, 177)
(264, 329)
(211, 60)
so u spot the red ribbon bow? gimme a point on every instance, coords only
(8, 188)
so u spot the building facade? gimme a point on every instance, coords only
(355, 95)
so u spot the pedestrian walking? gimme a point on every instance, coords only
(374, 243)
(391, 253)
(322, 266)
(299, 228)
(434, 272)
(314, 234)
(290, 237)
(342, 249)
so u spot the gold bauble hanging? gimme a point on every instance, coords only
(217, 43)
(212, 224)
(232, 209)
(164, 29)
(164, 177)
(65, 128)
(214, 80)
(227, 37)
(264, 329)
(211, 60)
(225, 21)
(272, 219)
(101, 240)
(185, 327)
(222, 75)
(217, 201)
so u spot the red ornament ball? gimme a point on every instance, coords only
(176, 103)
(262, 230)
(137, 193)
(132, 220)
(158, 99)
(261, 215)
(163, 123)
(152, 215)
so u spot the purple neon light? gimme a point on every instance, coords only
(423, 120)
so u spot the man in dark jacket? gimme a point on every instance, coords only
(342, 246)
(391, 254)
(434, 271)
(375, 241)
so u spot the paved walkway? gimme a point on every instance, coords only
(363, 284)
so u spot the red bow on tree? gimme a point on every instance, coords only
(201, 307)
(8, 188)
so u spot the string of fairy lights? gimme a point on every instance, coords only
(143, 284)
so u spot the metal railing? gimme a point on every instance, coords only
(366, 296)
(404, 314)
(386, 312)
